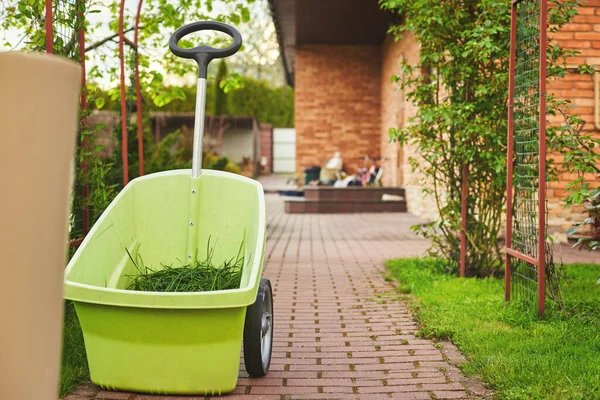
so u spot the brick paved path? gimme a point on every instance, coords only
(340, 331)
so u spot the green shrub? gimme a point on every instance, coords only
(166, 155)
(233, 168)
(256, 98)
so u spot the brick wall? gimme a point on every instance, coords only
(337, 105)
(393, 106)
(345, 101)
(583, 35)
(266, 148)
(396, 112)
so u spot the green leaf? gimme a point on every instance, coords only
(235, 19)
(99, 103)
(245, 14)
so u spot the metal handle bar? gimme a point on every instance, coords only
(203, 55)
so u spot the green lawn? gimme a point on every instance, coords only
(518, 355)
(74, 368)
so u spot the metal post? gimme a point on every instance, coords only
(199, 127)
(124, 150)
(83, 123)
(49, 30)
(463, 233)
(542, 163)
(510, 153)
(138, 91)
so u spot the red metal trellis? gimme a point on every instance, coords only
(53, 27)
(124, 150)
(526, 197)
(83, 122)
(49, 35)
(49, 31)
(138, 93)
(463, 233)
(138, 90)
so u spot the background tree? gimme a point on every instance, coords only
(260, 59)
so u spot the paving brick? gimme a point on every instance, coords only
(338, 389)
(267, 381)
(442, 386)
(450, 395)
(411, 396)
(106, 395)
(389, 389)
(422, 380)
(319, 382)
(155, 397)
(86, 390)
(340, 396)
(285, 390)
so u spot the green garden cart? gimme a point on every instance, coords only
(176, 343)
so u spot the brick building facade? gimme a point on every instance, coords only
(341, 66)
(582, 35)
(338, 100)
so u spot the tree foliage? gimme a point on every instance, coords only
(270, 105)
(158, 20)
(24, 24)
(221, 99)
(460, 86)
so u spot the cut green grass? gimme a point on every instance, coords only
(517, 354)
(198, 276)
(74, 367)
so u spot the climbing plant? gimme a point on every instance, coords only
(460, 88)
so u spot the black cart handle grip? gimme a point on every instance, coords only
(203, 55)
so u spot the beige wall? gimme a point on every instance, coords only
(337, 104)
(238, 144)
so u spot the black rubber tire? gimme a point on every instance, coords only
(253, 332)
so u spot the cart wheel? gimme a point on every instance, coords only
(258, 332)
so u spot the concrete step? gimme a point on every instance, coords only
(294, 205)
(350, 193)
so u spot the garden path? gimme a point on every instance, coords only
(341, 332)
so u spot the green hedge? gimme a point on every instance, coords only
(270, 105)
